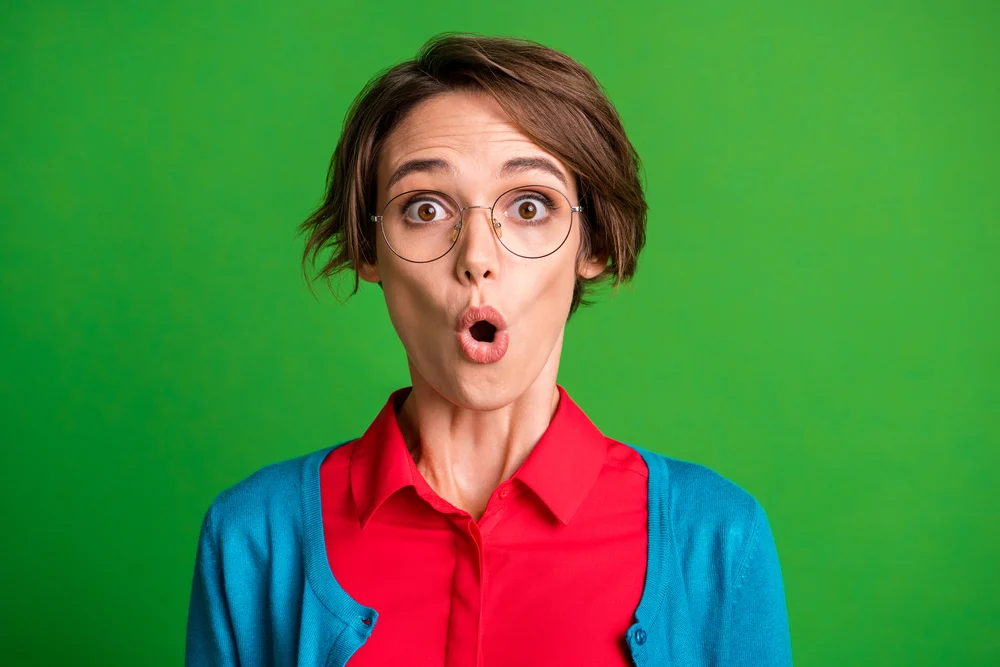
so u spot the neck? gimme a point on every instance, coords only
(464, 453)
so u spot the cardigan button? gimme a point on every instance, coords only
(640, 636)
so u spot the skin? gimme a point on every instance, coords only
(470, 426)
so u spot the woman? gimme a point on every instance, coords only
(482, 518)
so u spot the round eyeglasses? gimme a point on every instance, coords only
(530, 221)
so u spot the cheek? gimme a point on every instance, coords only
(398, 288)
(546, 292)
(413, 301)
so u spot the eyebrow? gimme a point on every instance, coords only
(511, 167)
(519, 165)
(417, 166)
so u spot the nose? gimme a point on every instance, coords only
(478, 256)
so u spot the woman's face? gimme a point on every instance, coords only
(468, 148)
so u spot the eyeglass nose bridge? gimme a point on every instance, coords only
(461, 221)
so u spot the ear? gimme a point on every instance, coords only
(369, 272)
(593, 266)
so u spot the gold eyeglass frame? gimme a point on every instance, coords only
(495, 225)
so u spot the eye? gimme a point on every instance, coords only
(425, 210)
(529, 208)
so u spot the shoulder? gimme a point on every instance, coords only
(697, 490)
(713, 546)
(270, 487)
(263, 504)
(704, 511)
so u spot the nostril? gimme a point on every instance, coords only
(486, 274)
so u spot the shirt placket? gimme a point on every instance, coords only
(470, 583)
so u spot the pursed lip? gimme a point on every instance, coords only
(474, 314)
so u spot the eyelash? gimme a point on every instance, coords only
(549, 204)
(409, 201)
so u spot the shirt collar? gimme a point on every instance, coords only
(380, 462)
(561, 469)
(564, 465)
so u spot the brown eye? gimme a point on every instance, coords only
(426, 212)
(530, 208)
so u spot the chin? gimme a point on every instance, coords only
(476, 387)
(479, 390)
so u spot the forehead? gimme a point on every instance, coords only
(467, 130)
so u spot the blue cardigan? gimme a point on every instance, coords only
(263, 593)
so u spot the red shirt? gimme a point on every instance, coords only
(551, 574)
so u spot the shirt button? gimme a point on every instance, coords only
(504, 491)
(640, 636)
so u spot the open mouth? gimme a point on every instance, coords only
(482, 334)
(483, 331)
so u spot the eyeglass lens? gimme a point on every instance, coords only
(530, 221)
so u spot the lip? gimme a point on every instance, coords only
(482, 352)
(473, 314)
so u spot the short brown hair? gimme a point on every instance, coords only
(550, 97)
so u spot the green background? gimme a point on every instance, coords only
(815, 314)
